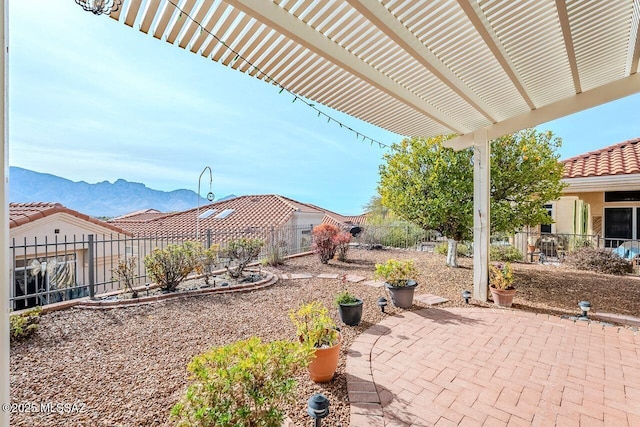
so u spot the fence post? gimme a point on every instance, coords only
(92, 279)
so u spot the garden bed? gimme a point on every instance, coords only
(128, 366)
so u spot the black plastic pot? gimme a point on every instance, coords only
(402, 296)
(351, 314)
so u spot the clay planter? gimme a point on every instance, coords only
(402, 296)
(502, 297)
(324, 365)
(351, 314)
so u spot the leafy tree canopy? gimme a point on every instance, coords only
(432, 186)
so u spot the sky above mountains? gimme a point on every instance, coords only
(92, 100)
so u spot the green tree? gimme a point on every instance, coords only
(432, 186)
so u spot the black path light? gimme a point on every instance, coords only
(466, 295)
(585, 306)
(318, 408)
(382, 303)
(99, 7)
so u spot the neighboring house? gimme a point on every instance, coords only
(48, 243)
(263, 216)
(603, 195)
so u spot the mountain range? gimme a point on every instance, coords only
(103, 199)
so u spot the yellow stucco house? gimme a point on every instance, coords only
(602, 197)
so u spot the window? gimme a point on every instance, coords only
(225, 213)
(619, 225)
(207, 213)
(40, 279)
(622, 196)
(546, 228)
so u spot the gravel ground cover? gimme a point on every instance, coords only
(127, 366)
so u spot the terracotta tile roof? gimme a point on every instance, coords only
(24, 213)
(249, 212)
(619, 159)
(140, 215)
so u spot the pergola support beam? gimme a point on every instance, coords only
(481, 211)
(579, 102)
(5, 396)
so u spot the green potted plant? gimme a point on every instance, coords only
(501, 284)
(399, 277)
(317, 330)
(349, 308)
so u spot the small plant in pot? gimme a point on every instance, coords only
(317, 330)
(399, 277)
(349, 308)
(501, 284)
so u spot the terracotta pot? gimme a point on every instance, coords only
(502, 297)
(324, 365)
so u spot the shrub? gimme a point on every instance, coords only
(324, 241)
(209, 260)
(342, 241)
(25, 324)
(598, 260)
(315, 327)
(243, 251)
(168, 267)
(501, 276)
(396, 273)
(276, 248)
(443, 248)
(241, 384)
(504, 253)
(125, 272)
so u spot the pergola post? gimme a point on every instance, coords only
(481, 197)
(4, 223)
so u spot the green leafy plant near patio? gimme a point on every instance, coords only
(242, 251)
(462, 248)
(598, 260)
(396, 273)
(125, 272)
(168, 267)
(314, 326)
(241, 384)
(24, 324)
(345, 297)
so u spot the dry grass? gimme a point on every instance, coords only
(128, 365)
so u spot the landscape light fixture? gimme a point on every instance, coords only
(585, 306)
(146, 285)
(466, 295)
(382, 303)
(318, 408)
(99, 7)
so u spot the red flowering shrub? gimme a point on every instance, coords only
(324, 241)
(342, 240)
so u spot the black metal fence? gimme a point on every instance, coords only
(45, 271)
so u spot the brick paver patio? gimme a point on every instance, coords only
(491, 367)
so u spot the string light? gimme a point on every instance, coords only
(269, 79)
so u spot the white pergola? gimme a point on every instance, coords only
(476, 68)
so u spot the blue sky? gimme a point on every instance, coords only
(92, 100)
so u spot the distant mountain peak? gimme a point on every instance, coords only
(99, 200)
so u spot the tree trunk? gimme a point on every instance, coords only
(452, 253)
